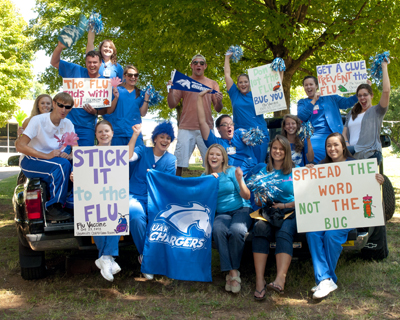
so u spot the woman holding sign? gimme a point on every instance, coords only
(244, 114)
(326, 246)
(363, 123)
(232, 217)
(302, 153)
(145, 158)
(280, 162)
(323, 113)
(127, 108)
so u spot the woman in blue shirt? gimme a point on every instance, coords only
(232, 217)
(302, 153)
(280, 162)
(244, 114)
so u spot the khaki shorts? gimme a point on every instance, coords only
(187, 140)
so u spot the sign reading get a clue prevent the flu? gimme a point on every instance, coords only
(341, 195)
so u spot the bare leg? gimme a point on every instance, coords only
(233, 273)
(179, 171)
(260, 260)
(283, 261)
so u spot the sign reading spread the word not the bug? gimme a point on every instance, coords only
(341, 77)
(101, 191)
(267, 89)
(96, 92)
(341, 195)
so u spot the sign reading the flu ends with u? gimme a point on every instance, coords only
(339, 78)
(96, 92)
(341, 195)
(266, 87)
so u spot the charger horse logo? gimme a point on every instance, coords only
(122, 223)
(183, 217)
(184, 83)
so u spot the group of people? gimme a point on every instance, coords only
(228, 158)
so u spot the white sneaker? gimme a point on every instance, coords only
(105, 265)
(148, 276)
(115, 268)
(315, 288)
(325, 287)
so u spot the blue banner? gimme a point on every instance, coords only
(185, 83)
(179, 230)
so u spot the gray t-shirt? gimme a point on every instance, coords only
(369, 141)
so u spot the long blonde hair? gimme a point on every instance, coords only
(288, 163)
(35, 110)
(225, 165)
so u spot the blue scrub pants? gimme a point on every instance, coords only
(261, 151)
(325, 248)
(138, 221)
(229, 229)
(107, 245)
(264, 234)
(54, 172)
(318, 144)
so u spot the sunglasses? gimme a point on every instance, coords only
(130, 75)
(231, 124)
(202, 63)
(60, 105)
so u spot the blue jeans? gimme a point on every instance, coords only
(325, 248)
(264, 234)
(377, 154)
(229, 229)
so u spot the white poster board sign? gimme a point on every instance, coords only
(338, 195)
(96, 92)
(341, 78)
(101, 190)
(267, 90)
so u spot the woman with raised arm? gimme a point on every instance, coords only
(232, 217)
(244, 115)
(302, 153)
(363, 123)
(109, 67)
(326, 246)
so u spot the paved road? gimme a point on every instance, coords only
(6, 172)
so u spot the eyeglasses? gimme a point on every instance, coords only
(363, 95)
(202, 63)
(60, 105)
(130, 75)
(227, 125)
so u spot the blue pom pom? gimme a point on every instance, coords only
(376, 66)
(253, 137)
(154, 96)
(237, 53)
(264, 187)
(95, 23)
(278, 65)
(306, 130)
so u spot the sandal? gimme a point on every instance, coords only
(260, 292)
(228, 287)
(275, 287)
(236, 289)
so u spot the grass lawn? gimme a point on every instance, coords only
(367, 289)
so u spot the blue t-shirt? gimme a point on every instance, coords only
(126, 113)
(299, 158)
(229, 197)
(243, 157)
(78, 116)
(244, 114)
(114, 70)
(146, 160)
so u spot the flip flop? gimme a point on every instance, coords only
(260, 292)
(275, 287)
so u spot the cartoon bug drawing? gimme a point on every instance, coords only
(106, 102)
(367, 200)
(342, 88)
(122, 223)
(278, 85)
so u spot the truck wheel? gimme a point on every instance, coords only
(376, 247)
(32, 263)
(389, 199)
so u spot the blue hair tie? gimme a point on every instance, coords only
(237, 53)
(376, 66)
(278, 65)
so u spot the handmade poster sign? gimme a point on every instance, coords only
(341, 195)
(267, 89)
(341, 77)
(96, 92)
(101, 191)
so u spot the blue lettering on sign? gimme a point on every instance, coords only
(261, 99)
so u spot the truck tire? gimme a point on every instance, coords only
(376, 247)
(32, 263)
(389, 199)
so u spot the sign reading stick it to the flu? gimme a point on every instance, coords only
(341, 195)
(101, 190)
(96, 92)
(341, 77)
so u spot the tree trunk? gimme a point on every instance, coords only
(287, 79)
